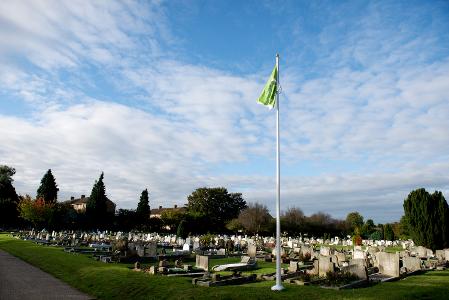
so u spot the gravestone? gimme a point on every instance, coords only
(315, 269)
(251, 250)
(358, 254)
(151, 249)
(388, 263)
(358, 261)
(153, 270)
(325, 265)
(202, 262)
(325, 251)
(163, 263)
(404, 253)
(341, 257)
(196, 245)
(372, 250)
(358, 270)
(446, 254)
(411, 263)
(293, 267)
(221, 251)
(186, 247)
(439, 254)
(140, 249)
(306, 249)
(421, 251)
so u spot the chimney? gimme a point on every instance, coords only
(176, 206)
(72, 198)
(83, 196)
(160, 206)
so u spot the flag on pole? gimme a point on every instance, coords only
(268, 95)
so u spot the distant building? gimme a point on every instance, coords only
(157, 212)
(80, 204)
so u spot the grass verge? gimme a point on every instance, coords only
(117, 281)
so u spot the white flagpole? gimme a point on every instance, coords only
(278, 286)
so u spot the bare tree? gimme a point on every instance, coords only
(255, 218)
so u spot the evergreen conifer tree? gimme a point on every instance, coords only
(428, 219)
(48, 190)
(8, 197)
(96, 208)
(143, 208)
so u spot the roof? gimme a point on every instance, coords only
(83, 200)
(158, 211)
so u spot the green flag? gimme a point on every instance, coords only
(268, 95)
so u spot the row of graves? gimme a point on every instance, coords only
(310, 261)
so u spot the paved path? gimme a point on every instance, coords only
(20, 280)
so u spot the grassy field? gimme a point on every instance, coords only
(117, 281)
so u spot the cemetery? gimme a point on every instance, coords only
(329, 265)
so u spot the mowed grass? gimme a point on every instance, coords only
(117, 281)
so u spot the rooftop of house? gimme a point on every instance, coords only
(83, 199)
(158, 211)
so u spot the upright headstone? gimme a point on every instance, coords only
(151, 249)
(221, 251)
(202, 262)
(411, 263)
(388, 263)
(446, 254)
(358, 270)
(439, 254)
(358, 261)
(325, 251)
(251, 250)
(293, 266)
(196, 245)
(358, 254)
(325, 265)
(421, 251)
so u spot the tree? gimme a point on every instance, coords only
(427, 218)
(48, 190)
(125, 220)
(234, 225)
(8, 197)
(388, 232)
(354, 221)
(216, 205)
(293, 221)
(181, 231)
(255, 218)
(368, 228)
(320, 224)
(404, 232)
(143, 209)
(171, 218)
(96, 208)
(37, 211)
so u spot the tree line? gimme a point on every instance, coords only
(215, 210)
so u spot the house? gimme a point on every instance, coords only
(157, 212)
(80, 204)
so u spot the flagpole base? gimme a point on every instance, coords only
(277, 287)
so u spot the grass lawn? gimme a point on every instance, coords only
(117, 281)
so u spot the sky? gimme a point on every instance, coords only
(162, 95)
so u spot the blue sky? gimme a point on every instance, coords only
(162, 95)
